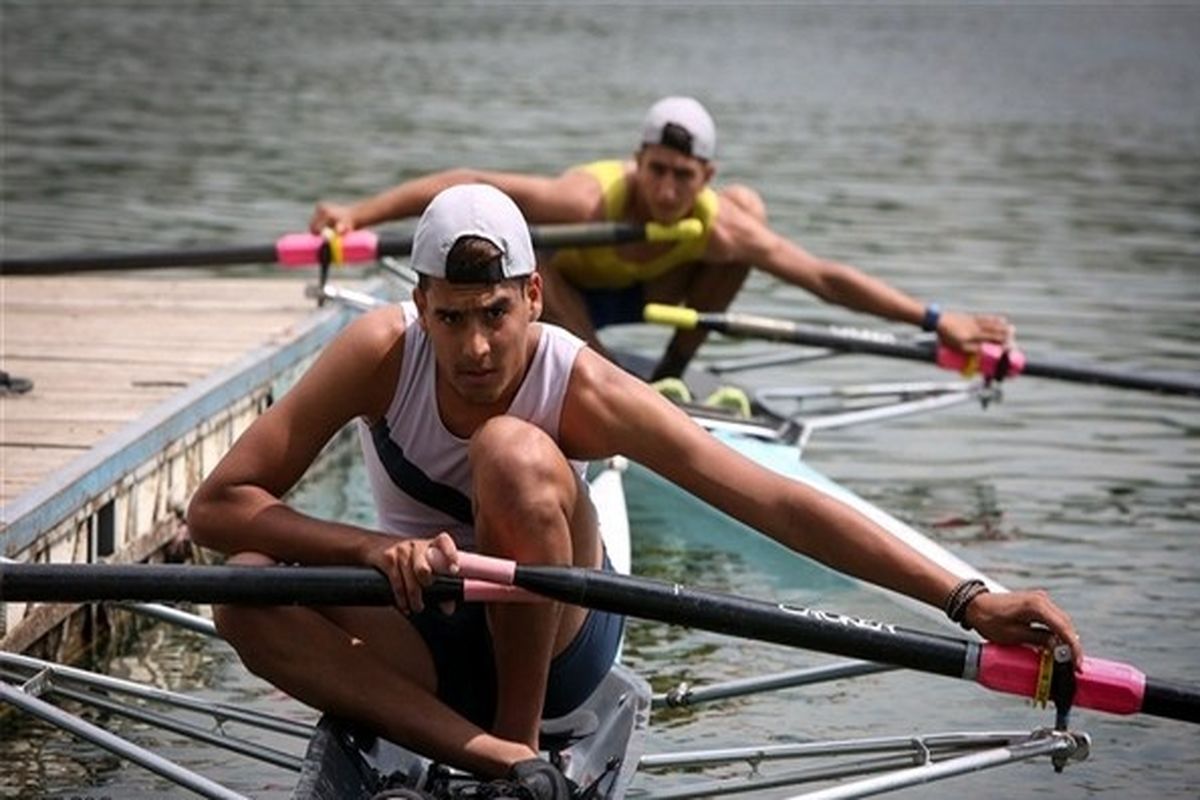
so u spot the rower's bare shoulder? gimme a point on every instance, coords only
(364, 361)
(375, 333)
(594, 377)
(740, 230)
(599, 406)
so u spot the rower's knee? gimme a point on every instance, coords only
(524, 486)
(509, 454)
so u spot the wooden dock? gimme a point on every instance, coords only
(139, 385)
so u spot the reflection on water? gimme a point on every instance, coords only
(1036, 160)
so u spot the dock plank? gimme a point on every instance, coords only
(102, 350)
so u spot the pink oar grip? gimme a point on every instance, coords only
(487, 568)
(986, 362)
(1101, 685)
(477, 591)
(303, 249)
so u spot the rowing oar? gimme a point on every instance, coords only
(307, 249)
(993, 360)
(228, 584)
(1100, 684)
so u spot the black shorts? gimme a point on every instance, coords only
(461, 646)
(615, 306)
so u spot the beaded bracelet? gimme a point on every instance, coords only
(960, 597)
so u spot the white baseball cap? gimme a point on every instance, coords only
(477, 210)
(683, 124)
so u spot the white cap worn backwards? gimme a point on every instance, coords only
(478, 210)
(682, 124)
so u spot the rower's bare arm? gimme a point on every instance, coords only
(239, 507)
(741, 237)
(570, 197)
(608, 411)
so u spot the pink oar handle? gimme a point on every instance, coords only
(1101, 685)
(986, 362)
(477, 591)
(487, 568)
(486, 579)
(303, 249)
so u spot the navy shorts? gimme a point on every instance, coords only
(615, 306)
(461, 646)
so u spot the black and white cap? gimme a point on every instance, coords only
(475, 210)
(682, 124)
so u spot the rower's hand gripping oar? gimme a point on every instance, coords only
(356, 247)
(992, 361)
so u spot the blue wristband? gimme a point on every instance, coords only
(933, 313)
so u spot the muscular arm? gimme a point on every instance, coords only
(630, 418)
(239, 508)
(740, 236)
(607, 411)
(570, 197)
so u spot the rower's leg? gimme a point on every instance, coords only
(530, 507)
(365, 664)
(704, 287)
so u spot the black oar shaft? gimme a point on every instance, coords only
(313, 586)
(103, 262)
(587, 234)
(748, 325)
(784, 331)
(1171, 700)
(1169, 384)
(747, 618)
(809, 629)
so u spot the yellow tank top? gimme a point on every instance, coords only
(603, 267)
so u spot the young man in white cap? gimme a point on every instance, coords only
(476, 419)
(667, 180)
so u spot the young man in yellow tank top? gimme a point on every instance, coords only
(667, 180)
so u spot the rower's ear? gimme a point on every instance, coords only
(422, 302)
(533, 292)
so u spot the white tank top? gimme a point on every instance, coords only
(419, 473)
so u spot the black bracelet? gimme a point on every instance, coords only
(960, 597)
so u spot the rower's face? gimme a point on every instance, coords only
(479, 333)
(669, 181)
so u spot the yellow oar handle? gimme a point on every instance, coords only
(688, 228)
(674, 316)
